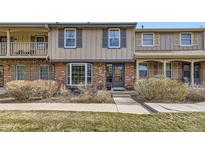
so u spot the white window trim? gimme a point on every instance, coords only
(16, 70)
(171, 69)
(147, 69)
(142, 42)
(181, 39)
(70, 73)
(70, 47)
(40, 71)
(114, 47)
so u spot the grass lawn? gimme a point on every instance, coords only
(89, 121)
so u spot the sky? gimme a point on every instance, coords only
(171, 24)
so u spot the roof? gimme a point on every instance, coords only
(169, 29)
(64, 24)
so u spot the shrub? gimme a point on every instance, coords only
(103, 96)
(23, 89)
(155, 89)
(195, 94)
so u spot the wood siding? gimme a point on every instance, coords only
(169, 42)
(92, 48)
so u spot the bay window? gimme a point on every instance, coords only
(79, 73)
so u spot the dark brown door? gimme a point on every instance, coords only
(118, 75)
(1, 75)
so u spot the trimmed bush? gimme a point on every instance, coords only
(24, 89)
(195, 94)
(160, 90)
(103, 96)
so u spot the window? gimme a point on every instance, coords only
(186, 39)
(21, 72)
(168, 70)
(79, 73)
(114, 38)
(44, 72)
(70, 38)
(143, 70)
(147, 39)
(40, 42)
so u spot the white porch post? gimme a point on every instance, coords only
(8, 43)
(192, 73)
(164, 68)
(137, 70)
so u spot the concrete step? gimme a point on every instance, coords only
(121, 95)
(118, 89)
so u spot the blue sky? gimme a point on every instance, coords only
(171, 24)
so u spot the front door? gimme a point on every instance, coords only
(1, 76)
(118, 75)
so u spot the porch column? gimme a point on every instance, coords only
(137, 70)
(8, 43)
(192, 73)
(164, 68)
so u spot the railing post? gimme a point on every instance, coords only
(8, 43)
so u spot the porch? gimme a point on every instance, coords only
(23, 42)
(188, 71)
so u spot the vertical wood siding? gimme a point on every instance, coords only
(170, 41)
(92, 46)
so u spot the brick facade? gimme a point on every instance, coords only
(60, 73)
(99, 75)
(9, 68)
(129, 75)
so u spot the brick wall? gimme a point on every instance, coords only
(9, 67)
(129, 75)
(99, 75)
(60, 72)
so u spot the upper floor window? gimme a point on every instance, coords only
(70, 38)
(114, 38)
(147, 39)
(186, 39)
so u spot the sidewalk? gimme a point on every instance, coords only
(74, 107)
(165, 107)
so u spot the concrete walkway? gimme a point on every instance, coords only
(164, 107)
(73, 107)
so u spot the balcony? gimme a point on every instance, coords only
(24, 49)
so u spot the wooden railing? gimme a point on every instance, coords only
(28, 48)
(3, 48)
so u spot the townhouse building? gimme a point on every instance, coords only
(106, 55)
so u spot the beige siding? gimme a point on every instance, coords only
(170, 41)
(92, 47)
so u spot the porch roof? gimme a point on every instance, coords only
(194, 54)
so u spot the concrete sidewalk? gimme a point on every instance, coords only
(165, 107)
(73, 107)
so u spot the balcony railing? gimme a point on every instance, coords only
(25, 48)
(3, 48)
(28, 48)
(169, 48)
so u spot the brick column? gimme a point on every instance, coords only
(129, 75)
(99, 75)
(60, 73)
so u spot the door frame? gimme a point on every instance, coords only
(111, 84)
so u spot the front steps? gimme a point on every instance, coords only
(122, 93)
